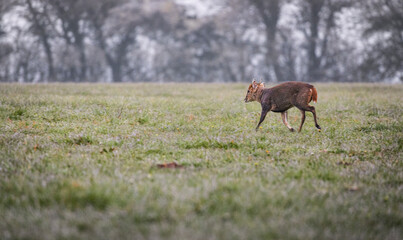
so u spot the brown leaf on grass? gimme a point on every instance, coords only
(352, 188)
(190, 117)
(344, 163)
(105, 150)
(169, 165)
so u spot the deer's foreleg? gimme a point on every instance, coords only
(262, 116)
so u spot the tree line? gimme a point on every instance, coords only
(165, 40)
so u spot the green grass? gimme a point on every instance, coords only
(78, 162)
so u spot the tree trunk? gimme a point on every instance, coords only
(269, 11)
(44, 38)
(116, 73)
(272, 54)
(313, 71)
(83, 63)
(80, 46)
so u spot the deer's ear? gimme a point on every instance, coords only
(261, 84)
(254, 84)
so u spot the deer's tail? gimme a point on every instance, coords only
(314, 95)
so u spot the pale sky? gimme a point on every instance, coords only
(200, 8)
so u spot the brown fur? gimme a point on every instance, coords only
(314, 95)
(282, 97)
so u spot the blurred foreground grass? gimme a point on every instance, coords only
(76, 161)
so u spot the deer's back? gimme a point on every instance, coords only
(285, 95)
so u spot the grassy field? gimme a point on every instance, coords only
(78, 162)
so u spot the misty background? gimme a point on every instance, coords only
(201, 41)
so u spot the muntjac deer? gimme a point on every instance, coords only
(282, 97)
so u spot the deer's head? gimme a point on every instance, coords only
(253, 88)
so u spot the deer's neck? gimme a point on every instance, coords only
(259, 94)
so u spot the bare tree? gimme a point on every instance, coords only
(5, 6)
(37, 15)
(6, 48)
(316, 21)
(72, 14)
(384, 56)
(269, 11)
(119, 25)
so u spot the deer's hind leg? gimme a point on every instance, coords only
(313, 111)
(309, 109)
(284, 117)
(302, 103)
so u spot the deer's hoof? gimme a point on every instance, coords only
(292, 130)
